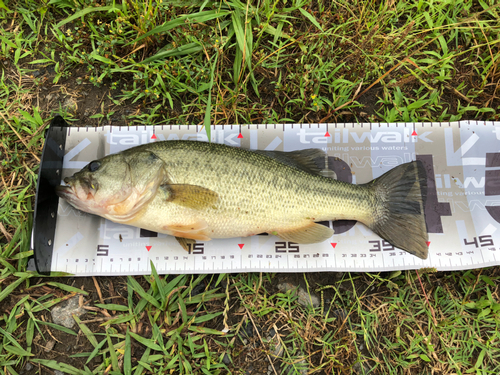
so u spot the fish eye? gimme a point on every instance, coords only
(94, 165)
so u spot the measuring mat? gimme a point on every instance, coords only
(462, 208)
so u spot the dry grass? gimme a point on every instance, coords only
(256, 62)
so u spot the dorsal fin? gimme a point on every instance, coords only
(300, 159)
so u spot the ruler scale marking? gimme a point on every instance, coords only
(430, 141)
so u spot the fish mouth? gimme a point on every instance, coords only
(70, 194)
(75, 189)
(79, 196)
(67, 191)
(64, 192)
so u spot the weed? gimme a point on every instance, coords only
(268, 61)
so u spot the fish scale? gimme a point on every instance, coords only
(200, 191)
(259, 191)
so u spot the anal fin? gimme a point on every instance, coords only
(312, 233)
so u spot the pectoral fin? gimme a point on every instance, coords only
(191, 196)
(312, 233)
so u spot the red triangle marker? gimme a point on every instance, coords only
(334, 244)
(241, 245)
(153, 136)
(327, 134)
(428, 243)
(149, 247)
(414, 133)
(240, 136)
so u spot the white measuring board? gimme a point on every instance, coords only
(462, 210)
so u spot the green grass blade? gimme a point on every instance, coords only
(140, 368)
(192, 18)
(160, 284)
(146, 342)
(112, 307)
(123, 318)
(112, 352)
(96, 350)
(67, 288)
(86, 331)
(10, 288)
(57, 326)
(174, 283)
(311, 18)
(139, 290)
(187, 49)
(182, 308)
(2, 6)
(240, 37)
(208, 111)
(17, 351)
(88, 10)
(127, 357)
(46, 305)
(60, 366)
(205, 330)
(207, 317)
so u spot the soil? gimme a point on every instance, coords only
(248, 355)
(251, 353)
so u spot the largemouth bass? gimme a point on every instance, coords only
(199, 191)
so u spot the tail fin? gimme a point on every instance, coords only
(399, 208)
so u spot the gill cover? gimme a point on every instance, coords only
(146, 173)
(116, 186)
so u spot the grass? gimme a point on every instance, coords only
(231, 62)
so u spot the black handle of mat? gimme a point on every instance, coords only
(46, 200)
